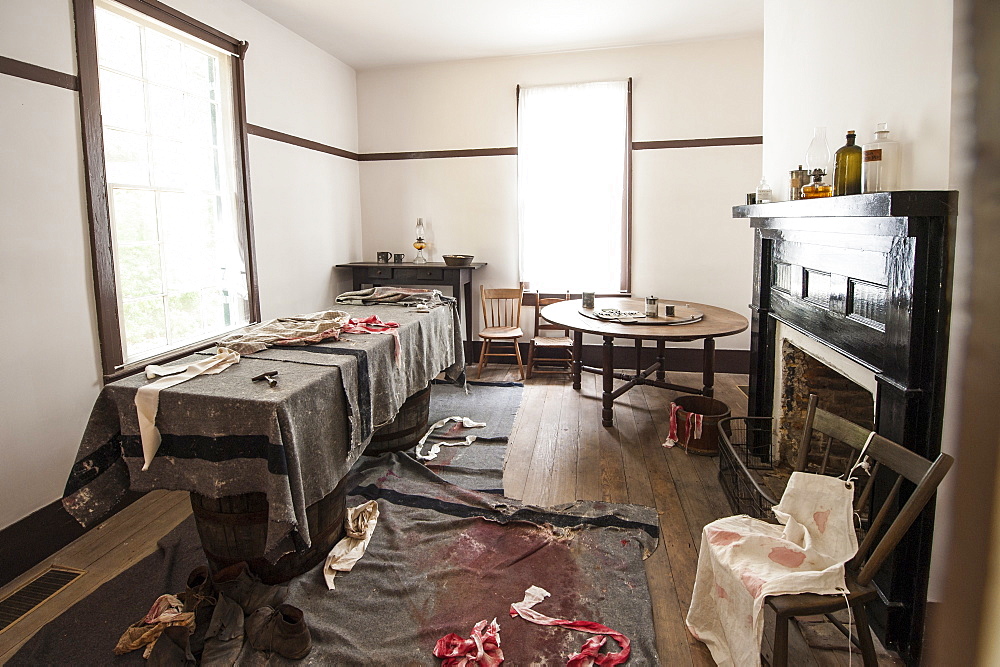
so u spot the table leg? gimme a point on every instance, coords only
(660, 347)
(467, 289)
(607, 403)
(708, 368)
(638, 356)
(577, 359)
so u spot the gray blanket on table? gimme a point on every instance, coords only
(225, 435)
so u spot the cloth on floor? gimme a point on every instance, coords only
(167, 611)
(436, 447)
(589, 654)
(359, 525)
(481, 649)
(294, 330)
(441, 559)
(742, 560)
(401, 296)
(147, 397)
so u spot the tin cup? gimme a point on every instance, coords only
(668, 310)
(398, 257)
(383, 257)
(588, 299)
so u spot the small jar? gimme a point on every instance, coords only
(651, 306)
(588, 299)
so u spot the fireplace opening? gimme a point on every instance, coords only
(801, 375)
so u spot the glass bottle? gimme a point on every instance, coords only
(420, 243)
(880, 162)
(847, 172)
(764, 194)
(817, 188)
(818, 153)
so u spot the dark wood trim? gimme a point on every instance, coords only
(23, 70)
(626, 279)
(165, 358)
(241, 147)
(264, 132)
(108, 328)
(424, 155)
(698, 143)
(186, 24)
(677, 359)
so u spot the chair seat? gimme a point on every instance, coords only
(501, 332)
(552, 341)
(807, 604)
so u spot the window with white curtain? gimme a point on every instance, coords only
(573, 186)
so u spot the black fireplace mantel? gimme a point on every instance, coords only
(868, 276)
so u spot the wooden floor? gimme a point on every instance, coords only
(559, 452)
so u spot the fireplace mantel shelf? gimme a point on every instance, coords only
(900, 204)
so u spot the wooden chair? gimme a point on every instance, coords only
(562, 346)
(502, 317)
(882, 533)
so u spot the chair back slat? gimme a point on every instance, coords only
(884, 530)
(826, 454)
(541, 324)
(501, 306)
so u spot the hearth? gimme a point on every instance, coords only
(865, 278)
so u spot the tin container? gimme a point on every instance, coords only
(588, 299)
(651, 306)
(668, 310)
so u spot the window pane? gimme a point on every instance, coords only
(166, 112)
(118, 43)
(199, 73)
(134, 215)
(122, 102)
(185, 315)
(164, 65)
(126, 158)
(171, 163)
(139, 270)
(147, 329)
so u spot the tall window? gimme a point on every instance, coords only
(573, 186)
(173, 179)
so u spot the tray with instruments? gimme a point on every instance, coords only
(682, 315)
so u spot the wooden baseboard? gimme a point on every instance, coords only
(39, 535)
(681, 359)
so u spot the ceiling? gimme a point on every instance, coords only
(368, 34)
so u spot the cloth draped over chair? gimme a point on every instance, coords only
(742, 560)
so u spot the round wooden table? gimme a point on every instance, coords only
(716, 322)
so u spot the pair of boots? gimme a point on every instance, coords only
(219, 603)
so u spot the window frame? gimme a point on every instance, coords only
(625, 288)
(99, 216)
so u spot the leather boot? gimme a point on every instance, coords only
(282, 631)
(199, 591)
(224, 637)
(172, 648)
(243, 587)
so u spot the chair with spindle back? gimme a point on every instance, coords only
(502, 321)
(561, 361)
(882, 534)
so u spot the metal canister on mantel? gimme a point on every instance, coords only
(651, 306)
(797, 179)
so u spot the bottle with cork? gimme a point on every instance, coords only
(847, 169)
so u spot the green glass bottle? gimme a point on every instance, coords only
(847, 169)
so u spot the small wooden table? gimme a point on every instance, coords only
(436, 274)
(716, 322)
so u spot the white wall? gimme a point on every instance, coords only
(686, 244)
(880, 61)
(306, 218)
(850, 65)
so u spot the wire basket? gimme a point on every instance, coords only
(745, 449)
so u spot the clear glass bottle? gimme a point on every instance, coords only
(880, 162)
(817, 188)
(764, 194)
(818, 153)
(847, 172)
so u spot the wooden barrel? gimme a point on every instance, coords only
(712, 411)
(234, 529)
(406, 429)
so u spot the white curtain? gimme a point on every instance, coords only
(571, 165)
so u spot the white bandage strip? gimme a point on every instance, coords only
(436, 447)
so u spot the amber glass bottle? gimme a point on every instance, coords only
(847, 172)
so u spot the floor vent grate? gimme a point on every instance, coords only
(19, 604)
